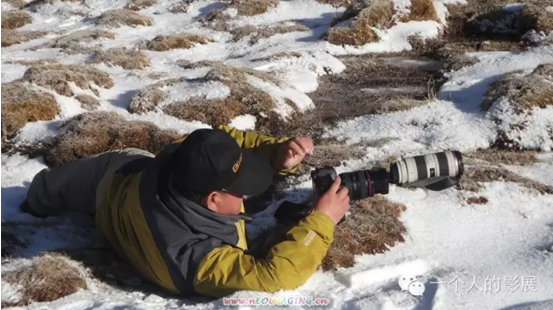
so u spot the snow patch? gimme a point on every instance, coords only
(243, 122)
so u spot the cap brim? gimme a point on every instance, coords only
(254, 176)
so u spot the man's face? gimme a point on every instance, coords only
(224, 203)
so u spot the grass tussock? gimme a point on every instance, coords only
(16, 4)
(57, 77)
(17, 19)
(526, 92)
(505, 157)
(123, 17)
(378, 14)
(179, 8)
(88, 102)
(258, 33)
(335, 3)
(137, 5)
(11, 37)
(34, 62)
(373, 226)
(474, 178)
(253, 7)
(146, 99)
(480, 200)
(277, 56)
(182, 40)
(21, 105)
(421, 10)
(330, 155)
(217, 20)
(73, 40)
(97, 132)
(452, 55)
(50, 277)
(126, 58)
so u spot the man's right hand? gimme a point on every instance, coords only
(334, 202)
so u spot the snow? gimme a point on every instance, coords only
(446, 238)
(243, 122)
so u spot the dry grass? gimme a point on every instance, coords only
(179, 8)
(50, 277)
(373, 226)
(452, 55)
(88, 102)
(123, 17)
(146, 99)
(12, 20)
(71, 42)
(96, 132)
(258, 33)
(127, 58)
(11, 37)
(378, 14)
(243, 99)
(506, 157)
(474, 177)
(182, 40)
(217, 20)
(34, 62)
(330, 155)
(480, 200)
(21, 105)
(421, 10)
(335, 3)
(137, 5)
(17, 4)
(253, 7)
(277, 56)
(525, 92)
(57, 77)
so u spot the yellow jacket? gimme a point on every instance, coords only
(186, 248)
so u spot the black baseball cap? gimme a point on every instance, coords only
(211, 160)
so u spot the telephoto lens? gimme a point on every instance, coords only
(423, 170)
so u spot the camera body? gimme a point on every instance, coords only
(360, 184)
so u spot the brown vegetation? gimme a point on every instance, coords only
(71, 43)
(57, 77)
(278, 56)
(17, 4)
(253, 7)
(122, 17)
(525, 92)
(477, 200)
(373, 226)
(335, 3)
(11, 37)
(12, 20)
(146, 99)
(50, 277)
(179, 8)
(421, 10)
(137, 5)
(378, 14)
(330, 155)
(88, 102)
(258, 33)
(217, 20)
(96, 132)
(127, 58)
(474, 177)
(506, 157)
(21, 105)
(34, 62)
(182, 40)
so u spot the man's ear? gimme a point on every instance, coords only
(211, 200)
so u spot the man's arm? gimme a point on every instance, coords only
(288, 264)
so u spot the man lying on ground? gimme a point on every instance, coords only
(178, 217)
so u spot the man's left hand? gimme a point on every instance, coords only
(291, 153)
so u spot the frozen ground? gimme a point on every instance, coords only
(493, 256)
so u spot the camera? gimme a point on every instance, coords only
(437, 171)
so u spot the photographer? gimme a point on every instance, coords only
(177, 217)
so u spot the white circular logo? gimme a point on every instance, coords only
(411, 284)
(416, 288)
